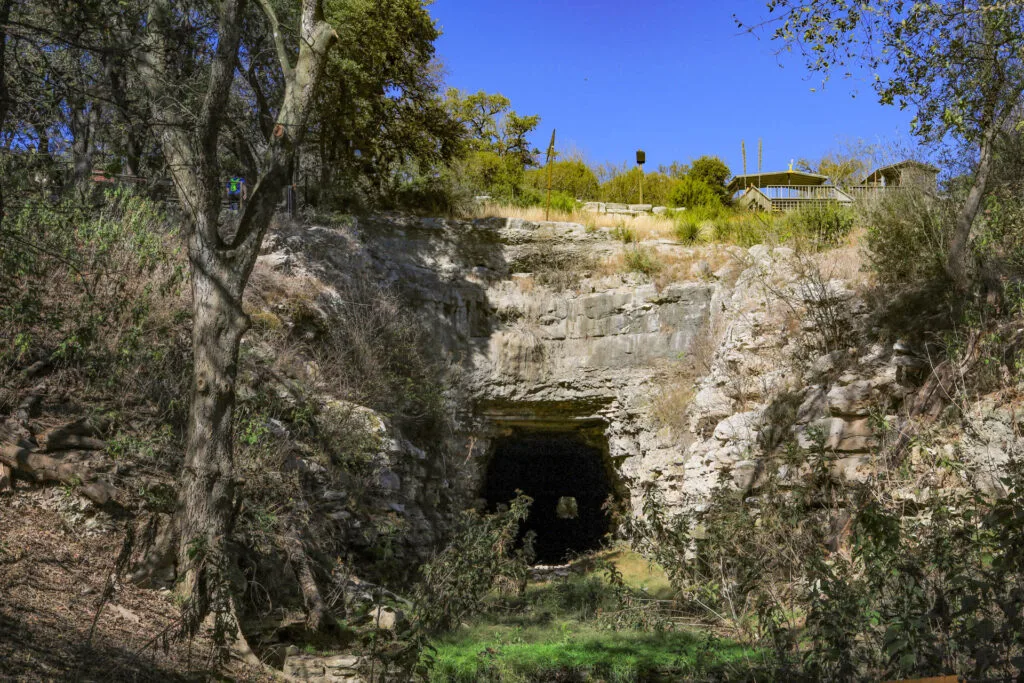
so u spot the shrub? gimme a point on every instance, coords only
(690, 192)
(98, 289)
(560, 201)
(824, 225)
(624, 234)
(436, 195)
(372, 349)
(481, 556)
(1000, 241)
(642, 260)
(907, 236)
(687, 230)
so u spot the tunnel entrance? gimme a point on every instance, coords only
(568, 481)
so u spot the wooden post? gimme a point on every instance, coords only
(551, 155)
(641, 159)
(743, 151)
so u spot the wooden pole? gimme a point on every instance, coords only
(743, 151)
(551, 154)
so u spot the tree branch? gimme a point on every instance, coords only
(275, 32)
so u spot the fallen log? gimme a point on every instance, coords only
(23, 459)
(81, 434)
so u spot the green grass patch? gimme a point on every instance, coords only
(568, 650)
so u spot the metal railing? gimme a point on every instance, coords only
(798, 192)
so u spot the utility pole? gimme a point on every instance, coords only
(551, 157)
(641, 159)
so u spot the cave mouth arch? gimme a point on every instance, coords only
(550, 468)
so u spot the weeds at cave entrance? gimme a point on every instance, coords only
(569, 481)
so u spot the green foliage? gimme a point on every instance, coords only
(380, 114)
(642, 260)
(690, 192)
(918, 55)
(96, 288)
(711, 171)
(497, 140)
(481, 556)
(823, 225)
(930, 594)
(907, 237)
(624, 187)
(439, 194)
(624, 234)
(570, 177)
(582, 653)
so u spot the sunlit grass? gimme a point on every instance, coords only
(564, 649)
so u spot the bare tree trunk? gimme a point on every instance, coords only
(958, 260)
(207, 485)
(222, 260)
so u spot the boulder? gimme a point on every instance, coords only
(385, 618)
(843, 436)
(743, 427)
(855, 469)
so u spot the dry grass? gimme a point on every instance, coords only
(646, 227)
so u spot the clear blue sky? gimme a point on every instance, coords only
(675, 78)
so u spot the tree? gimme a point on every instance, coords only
(499, 152)
(222, 252)
(710, 170)
(957, 64)
(713, 172)
(381, 112)
(846, 165)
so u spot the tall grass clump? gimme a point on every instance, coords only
(700, 224)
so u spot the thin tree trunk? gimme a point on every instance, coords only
(5, 13)
(207, 486)
(958, 260)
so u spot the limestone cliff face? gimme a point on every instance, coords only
(544, 330)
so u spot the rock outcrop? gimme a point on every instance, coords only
(547, 331)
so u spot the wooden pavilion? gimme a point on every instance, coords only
(784, 191)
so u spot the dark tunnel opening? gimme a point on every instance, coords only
(568, 482)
